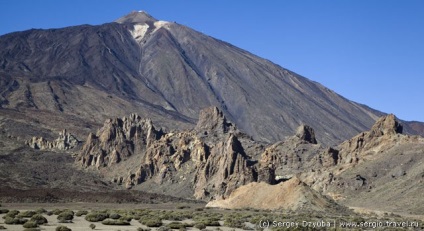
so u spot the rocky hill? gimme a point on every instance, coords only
(291, 195)
(167, 72)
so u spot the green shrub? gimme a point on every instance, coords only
(164, 228)
(15, 221)
(63, 228)
(26, 214)
(126, 218)
(81, 212)
(114, 216)
(39, 219)
(152, 222)
(30, 224)
(233, 223)
(200, 226)
(56, 211)
(141, 229)
(95, 217)
(41, 211)
(4, 211)
(115, 222)
(178, 225)
(92, 226)
(66, 216)
(12, 213)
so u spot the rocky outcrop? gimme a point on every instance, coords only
(291, 195)
(282, 160)
(216, 162)
(117, 140)
(306, 133)
(65, 141)
(227, 168)
(384, 134)
(211, 157)
(212, 122)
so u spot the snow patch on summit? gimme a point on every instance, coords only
(160, 24)
(139, 31)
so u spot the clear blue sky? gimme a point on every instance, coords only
(370, 51)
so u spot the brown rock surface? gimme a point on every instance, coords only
(207, 162)
(117, 140)
(290, 195)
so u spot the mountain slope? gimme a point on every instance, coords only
(168, 72)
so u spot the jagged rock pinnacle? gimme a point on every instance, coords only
(386, 125)
(306, 133)
(213, 121)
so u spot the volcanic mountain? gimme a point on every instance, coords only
(75, 77)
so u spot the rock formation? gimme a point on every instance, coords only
(65, 141)
(117, 140)
(216, 162)
(212, 122)
(211, 155)
(290, 195)
(384, 134)
(306, 133)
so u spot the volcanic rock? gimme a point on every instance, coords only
(290, 195)
(167, 72)
(117, 140)
(65, 141)
(306, 133)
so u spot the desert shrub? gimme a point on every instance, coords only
(15, 221)
(126, 218)
(233, 223)
(200, 225)
(151, 222)
(63, 228)
(4, 211)
(39, 219)
(92, 226)
(141, 229)
(96, 216)
(199, 209)
(26, 214)
(164, 228)
(81, 212)
(12, 213)
(30, 224)
(2, 227)
(66, 216)
(178, 225)
(57, 211)
(208, 221)
(49, 213)
(41, 211)
(114, 216)
(115, 222)
(32, 229)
